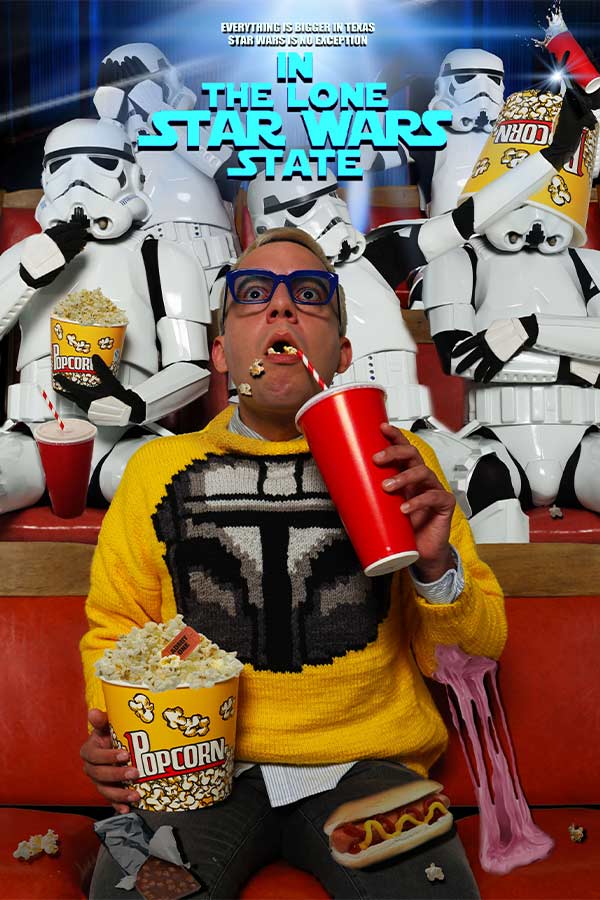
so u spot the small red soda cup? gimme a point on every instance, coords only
(560, 42)
(66, 456)
(578, 64)
(342, 428)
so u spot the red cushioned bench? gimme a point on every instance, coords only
(547, 679)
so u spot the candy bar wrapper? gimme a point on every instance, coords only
(160, 880)
(131, 843)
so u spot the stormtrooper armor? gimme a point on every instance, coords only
(470, 84)
(485, 477)
(136, 80)
(396, 248)
(314, 206)
(517, 313)
(103, 179)
(92, 195)
(542, 401)
(383, 350)
(119, 66)
(276, 203)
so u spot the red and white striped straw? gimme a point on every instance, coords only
(312, 370)
(52, 409)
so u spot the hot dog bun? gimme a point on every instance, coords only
(384, 801)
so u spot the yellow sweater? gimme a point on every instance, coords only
(241, 537)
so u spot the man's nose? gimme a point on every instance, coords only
(281, 304)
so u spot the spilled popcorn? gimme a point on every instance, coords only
(434, 873)
(257, 368)
(137, 659)
(576, 833)
(38, 843)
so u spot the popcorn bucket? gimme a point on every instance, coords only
(181, 741)
(73, 346)
(524, 126)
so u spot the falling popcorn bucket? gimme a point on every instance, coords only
(182, 741)
(74, 344)
(524, 126)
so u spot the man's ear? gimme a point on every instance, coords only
(218, 354)
(345, 355)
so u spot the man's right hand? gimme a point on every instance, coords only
(107, 767)
(45, 255)
(575, 115)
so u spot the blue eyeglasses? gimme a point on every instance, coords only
(306, 287)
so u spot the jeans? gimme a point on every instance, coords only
(228, 842)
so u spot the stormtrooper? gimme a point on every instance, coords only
(185, 205)
(470, 84)
(93, 200)
(516, 311)
(383, 350)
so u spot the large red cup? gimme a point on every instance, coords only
(341, 426)
(67, 458)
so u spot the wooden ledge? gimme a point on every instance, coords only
(416, 322)
(545, 570)
(46, 569)
(26, 199)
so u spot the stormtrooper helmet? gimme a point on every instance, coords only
(90, 173)
(313, 205)
(122, 60)
(471, 84)
(532, 228)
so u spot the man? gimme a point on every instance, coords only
(332, 706)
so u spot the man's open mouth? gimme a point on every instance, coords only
(281, 346)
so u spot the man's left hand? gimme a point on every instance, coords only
(428, 504)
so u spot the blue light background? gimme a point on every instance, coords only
(50, 49)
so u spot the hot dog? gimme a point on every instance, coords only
(374, 828)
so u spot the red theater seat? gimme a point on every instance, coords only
(576, 526)
(38, 523)
(280, 881)
(570, 871)
(547, 682)
(447, 391)
(60, 877)
(41, 730)
(16, 223)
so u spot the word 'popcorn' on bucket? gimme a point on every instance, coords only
(171, 761)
